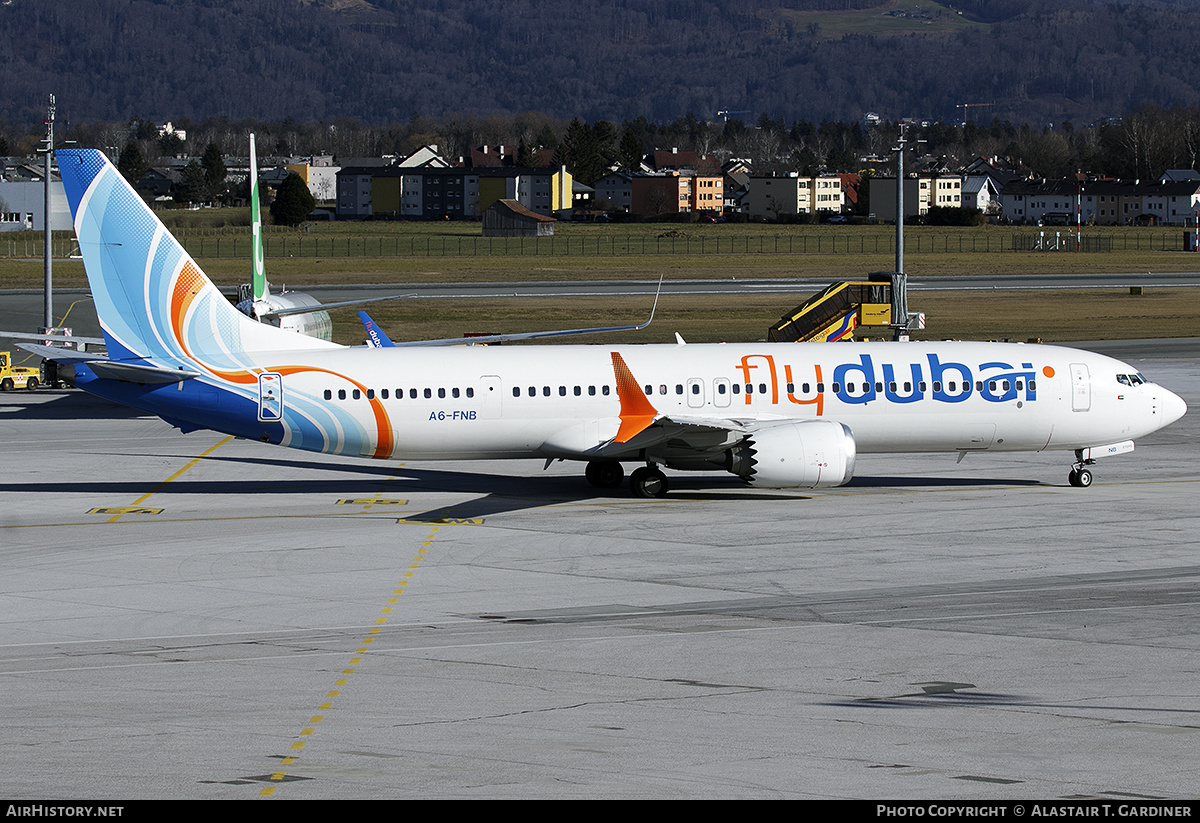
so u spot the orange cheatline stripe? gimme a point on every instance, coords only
(637, 413)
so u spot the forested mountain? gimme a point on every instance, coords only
(382, 61)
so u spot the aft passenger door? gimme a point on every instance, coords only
(490, 398)
(270, 397)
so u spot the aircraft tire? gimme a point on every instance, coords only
(1080, 478)
(604, 474)
(648, 482)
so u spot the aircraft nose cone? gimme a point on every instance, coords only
(1173, 408)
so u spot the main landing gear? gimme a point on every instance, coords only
(604, 474)
(647, 481)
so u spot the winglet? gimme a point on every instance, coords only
(637, 413)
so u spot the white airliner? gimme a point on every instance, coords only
(289, 310)
(780, 415)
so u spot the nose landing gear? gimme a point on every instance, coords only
(1080, 475)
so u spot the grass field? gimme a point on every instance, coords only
(1050, 316)
(930, 252)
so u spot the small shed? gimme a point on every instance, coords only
(508, 218)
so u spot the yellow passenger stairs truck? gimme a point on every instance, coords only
(838, 312)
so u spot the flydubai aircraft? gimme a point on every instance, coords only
(780, 415)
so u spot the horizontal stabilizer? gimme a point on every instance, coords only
(58, 355)
(107, 369)
(13, 335)
(142, 375)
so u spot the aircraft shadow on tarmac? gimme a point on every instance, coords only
(364, 479)
(926, 481)
(67, 405)
(941, 695)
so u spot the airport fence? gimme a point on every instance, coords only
(236, 244)
(616, 245)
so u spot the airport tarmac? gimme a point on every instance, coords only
(188, 616)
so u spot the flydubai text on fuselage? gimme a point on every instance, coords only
(773, 414)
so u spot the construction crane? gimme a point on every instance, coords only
(965, 106)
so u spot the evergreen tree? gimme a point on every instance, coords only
(526, 157)
(213, 164)
(131, 164)
(192, 187)
(631, 151)
(293, 202)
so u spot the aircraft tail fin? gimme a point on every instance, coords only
(375, 336)
(154, 303)
(258, 277)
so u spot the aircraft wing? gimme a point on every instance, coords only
(327, 306)
(485, 339)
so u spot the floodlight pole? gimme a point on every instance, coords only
(899, 149)
(899, 278)
(48, 278)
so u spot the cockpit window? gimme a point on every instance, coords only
(1138, 379)
(1123, 379)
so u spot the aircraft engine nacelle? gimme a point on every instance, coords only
(811, 454)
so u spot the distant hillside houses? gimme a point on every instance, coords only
(450, 193)
(921, 193)
(791, 194)
(667, 183)
(1166, 201)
